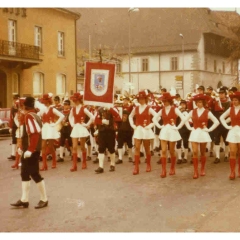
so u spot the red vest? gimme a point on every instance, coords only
(235, 119)
(142, 119)
(170, 118)
(200, 122)
(48, 117)
(79, 118)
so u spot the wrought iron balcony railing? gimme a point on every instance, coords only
(19, 50)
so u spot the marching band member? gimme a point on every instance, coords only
(66, 129)
(105, 120)
(57, 104)
(79, 128)
(233, 137)
(30, 151)
(124, 135)
(184, 133)
(142, 129)
(19, 121)
(169, 132)
(221, 104)
(49, 131)
(199, 132)
(13, 127)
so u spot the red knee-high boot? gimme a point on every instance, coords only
(195, 165)
(172, 168)
(164, 165)
(203, 161)
(54, 162)
(148, 163)
(136, 166)
(15, 165)
(232, 167)
(44, 162)
(74, 166)
(84, 163)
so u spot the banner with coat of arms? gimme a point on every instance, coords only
(99, 84)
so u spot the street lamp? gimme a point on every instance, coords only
(130, 10)
(181, 35)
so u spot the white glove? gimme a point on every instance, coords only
(134, 127)
(95, 133)
(52, 124)
(27, 154)
(84, 124)
(159, 126)
(105, 121)
(19, 151)
(174, 127)
(229, 127)
(206, 129)
(148, 126)
(10, 130)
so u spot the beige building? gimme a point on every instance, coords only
(168, 47)
(37, 52)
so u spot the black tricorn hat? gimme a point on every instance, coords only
(29, 102)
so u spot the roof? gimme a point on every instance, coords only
(152, 29)
(76, 15)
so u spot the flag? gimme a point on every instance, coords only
(99, 84)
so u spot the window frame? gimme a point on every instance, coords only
(145, 64)
(61, 44)
(174, 64)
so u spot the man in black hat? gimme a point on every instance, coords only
(124, 135)
(220, 106)
(13, 127)
(31, 147)
(66, 129)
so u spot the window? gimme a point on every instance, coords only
(206, 64)
(38, 37)
(215, 65)
(174, 63)
(223, 67)
(61, 84)
(15, 83)
(232, 68)
(61, 44)
(12, 30)
(17, 11)
(24, 12)
(144, 65)
(118, 67)
(38, 80)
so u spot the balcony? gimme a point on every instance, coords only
(14, 54)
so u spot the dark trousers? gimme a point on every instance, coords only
(106, 140)
(219, 132)
(124, 137)
(64, 136)
(184, 135)
(30, 168)
(14, 139)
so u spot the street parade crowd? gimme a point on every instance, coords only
(135, 126)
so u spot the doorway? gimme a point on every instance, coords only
(3, 89)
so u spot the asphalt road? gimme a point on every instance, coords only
(117, 201)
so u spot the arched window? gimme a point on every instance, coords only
(61, 84)
(15, 83)
(38, 80)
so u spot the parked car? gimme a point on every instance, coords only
(4, 121)
(4, 127)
